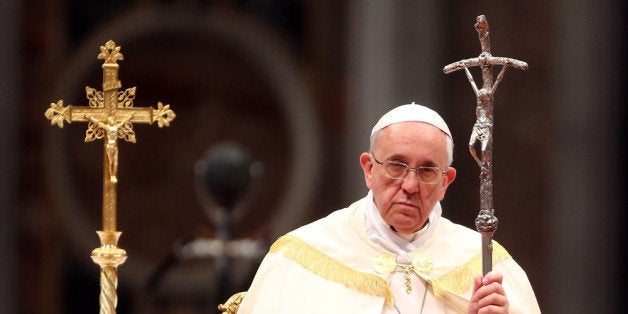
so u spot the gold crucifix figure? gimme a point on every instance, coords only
(112, 130)
(110, 116)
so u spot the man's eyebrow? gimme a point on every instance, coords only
(397, 157)
(403, 159)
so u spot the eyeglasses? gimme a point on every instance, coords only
(398, 170)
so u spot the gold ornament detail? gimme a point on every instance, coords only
(384, 264)
(422, 263)
(110, 52)
(407, 272)
(233, 303)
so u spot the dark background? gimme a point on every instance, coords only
(298, 84)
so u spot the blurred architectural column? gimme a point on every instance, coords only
(9, 117)
(586, 166)
(392, 49)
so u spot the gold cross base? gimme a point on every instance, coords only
(109, 257)
(108, 254)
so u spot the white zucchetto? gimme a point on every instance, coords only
(412, 112)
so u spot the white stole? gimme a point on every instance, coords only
(381, 233)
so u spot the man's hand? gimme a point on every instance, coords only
(488, 295)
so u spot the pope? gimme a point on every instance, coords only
(391, 251)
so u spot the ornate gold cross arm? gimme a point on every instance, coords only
(58, 114)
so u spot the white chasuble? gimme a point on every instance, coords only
(332, 266)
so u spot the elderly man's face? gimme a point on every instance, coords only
(406, 204)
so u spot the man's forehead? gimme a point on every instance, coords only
(406, 139)
(411, 129)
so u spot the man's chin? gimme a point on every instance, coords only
(405, 227)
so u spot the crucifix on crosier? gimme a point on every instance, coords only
(482, 132)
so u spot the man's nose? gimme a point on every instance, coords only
(410, 182)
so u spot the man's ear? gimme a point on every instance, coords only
(450, 176)
(367, 167)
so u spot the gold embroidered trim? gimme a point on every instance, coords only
(461, 278)
(330, 269)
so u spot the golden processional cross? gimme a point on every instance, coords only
(110, 115)
(482, 133)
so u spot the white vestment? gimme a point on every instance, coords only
(333, 266)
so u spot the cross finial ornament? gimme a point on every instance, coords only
(482, 133)
(110, 116)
